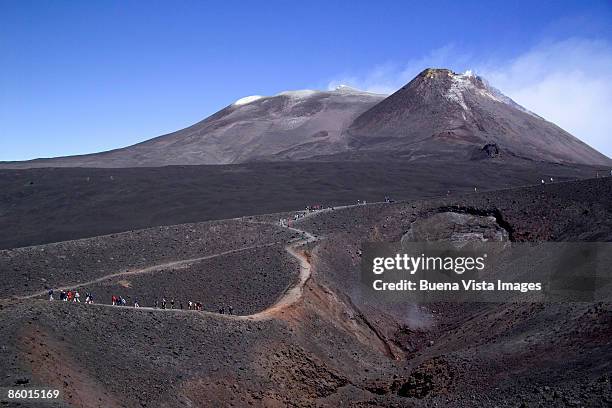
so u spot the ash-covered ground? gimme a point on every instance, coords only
(38, 206)
(325, 347)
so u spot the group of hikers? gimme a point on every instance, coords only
(75, 296)
(286, 222)
(164, 304)
(71, 296)
(120, 301)
(316, 207)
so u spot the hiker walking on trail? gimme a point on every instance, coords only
(222, 310)
(163, 303)
(70, 296)
(114, 300)
(190, 305)
(123, 301)
(77, 297)
(172, 304)
(230, 310)
(50, 292)
(136, 303)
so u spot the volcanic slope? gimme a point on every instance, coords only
(290, 126)
(438, 114)
(48, 205)
(329, 348)
(460, 115)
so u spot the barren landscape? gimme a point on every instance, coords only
(258, 215)
(315, 204)
(324, 348)
(38, 206)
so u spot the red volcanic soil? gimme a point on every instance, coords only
(328, 347)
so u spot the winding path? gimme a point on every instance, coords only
(289, 297)
(149, 269)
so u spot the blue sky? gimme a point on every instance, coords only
(79, 77)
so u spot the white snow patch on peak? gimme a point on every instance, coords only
(347, 88)
(463, 82)
(459, 84)
(247, 99)
(302, 93)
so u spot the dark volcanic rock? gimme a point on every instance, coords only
(441, 112)
(65, 204)
(285, 126)
(331, 348)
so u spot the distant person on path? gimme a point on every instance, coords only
(77, 297)
(172, 304)
(190, 305)
(114, 300)
(163, 303)
(157, 304)
(230, 310)
(136, 303)
(221, 310)
(50, 292)
(70, 296)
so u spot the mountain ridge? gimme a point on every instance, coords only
(438, 113)
(442, 111)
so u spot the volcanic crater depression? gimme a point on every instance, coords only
(464, 162)
(327, 344)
